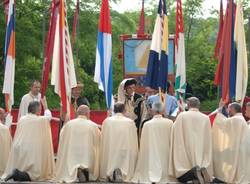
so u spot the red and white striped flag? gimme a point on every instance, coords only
(63, 71)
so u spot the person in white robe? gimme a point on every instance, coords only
(230, 146)
(33, 95)
(31, 157)
(191, 149)
(5, 142)
(78, 153)
(153, 159)
(119, 147)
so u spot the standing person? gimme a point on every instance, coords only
(191, 152)
(79, 147)
(231, 146)
(31, 157)
(153, 159)
(171, 103)
(119, 147)
(33, 95)
(133, 101)
(76, 99)
(5, 142)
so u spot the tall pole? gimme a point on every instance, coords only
(43, 31)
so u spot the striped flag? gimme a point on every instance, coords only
(157, 69)
(180, 76)
(9, 58)
(103, 66)
(49, 47)
(225, 76)
(241, 50)
(63, 71)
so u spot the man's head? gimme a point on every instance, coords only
(35, 87)
(83, 110)
(129, 86)
(234, 108)
(2, 115)
(193, 102)
(247, 110)
(34, 108)
(119, 107)
(157, 108)
(149, 91)
(76, 91)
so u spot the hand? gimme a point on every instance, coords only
(221, 103)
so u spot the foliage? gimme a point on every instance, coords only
(200, 35)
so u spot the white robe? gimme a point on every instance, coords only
(78, 148)
(231, 149)
(119, 147)
(191, 143)
(26, 99)
(5, 146)
(32, 150)
(153, 159)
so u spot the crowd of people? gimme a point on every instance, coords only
(145, 140)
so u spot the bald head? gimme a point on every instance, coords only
(193, 102)
(83, 110)
(2, 115)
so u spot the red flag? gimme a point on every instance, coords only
(219, 36)
(76, 15)
(222, 75)
(49, 47)
(142, 21)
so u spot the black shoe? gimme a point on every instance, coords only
(205, 175)
(17, 175)
(81, 176)
(216, 180)
(198, 175)
(13, 175)
(86, 174)
(117, 176)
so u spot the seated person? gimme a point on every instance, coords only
(5, 142)
(191, 152)
(79, 145)
(153, 159)
(119, 147)
(31, 157)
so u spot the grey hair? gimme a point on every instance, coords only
(34, 107)
(236, 106)
(157, 107)
(193, 102)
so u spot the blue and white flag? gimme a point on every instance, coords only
(157, 70)
(103, 66)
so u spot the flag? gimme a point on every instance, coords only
(63, 71)
(9, 58)
(219, 36)
(225, 76)
(157, 69)
(103, 65)
(241, 50)
(75, 22)
(142, 21)
(180, 76)
(49, 47)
